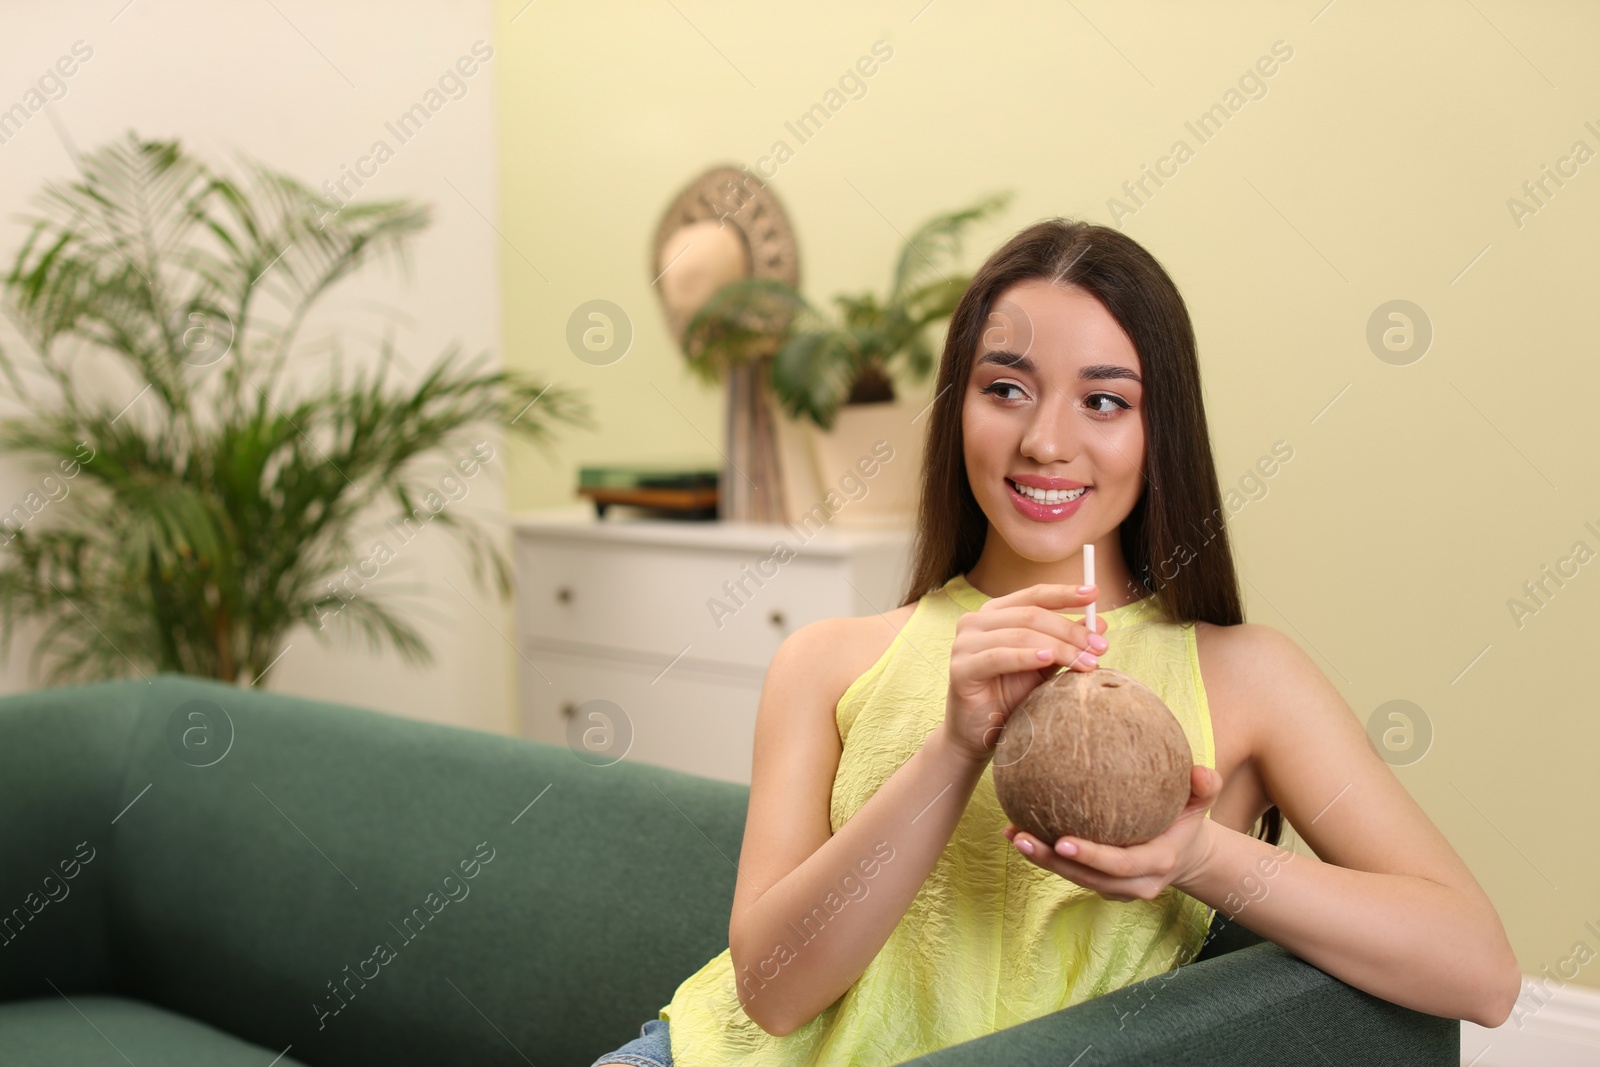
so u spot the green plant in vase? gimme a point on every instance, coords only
(818, 363)
(215, 499)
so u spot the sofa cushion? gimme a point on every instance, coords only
(61, 752)
(93, 1030)
(251, 888)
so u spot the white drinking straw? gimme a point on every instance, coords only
(1088, 579)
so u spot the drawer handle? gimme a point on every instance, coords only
(564, 594)
(776, 618)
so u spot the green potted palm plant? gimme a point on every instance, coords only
(210, 485)
(837, 375)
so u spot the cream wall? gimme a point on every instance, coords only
(307, 88)
(1377, 166)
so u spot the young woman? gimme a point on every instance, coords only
(884, 906)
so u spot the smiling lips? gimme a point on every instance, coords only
(1047, 503)
(1063, 493)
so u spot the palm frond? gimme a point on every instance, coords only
(196, 529)
(812, 374)
(937, 243)
(738, 324)
(818, 361)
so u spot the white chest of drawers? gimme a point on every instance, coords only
(648, 639)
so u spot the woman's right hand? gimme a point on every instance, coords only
(995, 659)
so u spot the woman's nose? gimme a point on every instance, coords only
(1050, 435)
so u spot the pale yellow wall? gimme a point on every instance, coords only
(1377, 166)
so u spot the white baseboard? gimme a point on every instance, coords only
(1551, 1026)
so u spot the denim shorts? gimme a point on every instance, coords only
(650, 1049)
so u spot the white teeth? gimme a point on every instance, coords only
(1049, 496)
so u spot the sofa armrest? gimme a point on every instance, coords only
(1255, 1005)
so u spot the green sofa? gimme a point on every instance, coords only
(198, 874)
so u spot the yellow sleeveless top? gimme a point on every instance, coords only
(990, 940)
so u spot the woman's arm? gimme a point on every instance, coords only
(801, 933)
(1430, 946)
(1386, 904)
(813, 908)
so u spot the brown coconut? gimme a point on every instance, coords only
(1095, 755)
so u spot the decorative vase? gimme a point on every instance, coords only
(753, 477)
(870, 462)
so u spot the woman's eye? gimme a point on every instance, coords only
(994, 387)
(1095, 398)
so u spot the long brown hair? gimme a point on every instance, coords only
(1174, 540)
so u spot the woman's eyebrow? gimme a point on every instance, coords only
(1093, 372)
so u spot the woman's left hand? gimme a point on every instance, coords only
(1137, 872)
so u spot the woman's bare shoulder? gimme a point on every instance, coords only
(846, 646)
(1240, 665)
